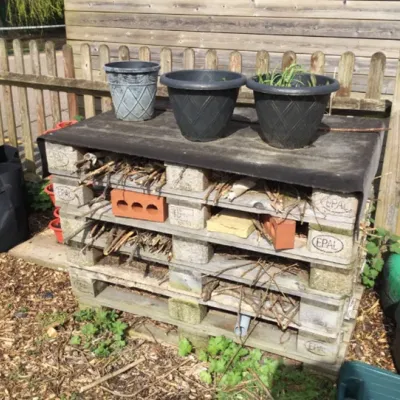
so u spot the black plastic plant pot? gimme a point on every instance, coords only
(203, 101)
(290, 117)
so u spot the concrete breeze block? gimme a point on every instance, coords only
(191, 251)
(88, 258)
(190, 312)
(328, 243)
(69, 224)
(62, 158)
(318, 349)
(72, 195)
(186, 178)
(332, 280)
(188, 215)
(335, 205)
(321, 316)
(185, 279)
(84, 287)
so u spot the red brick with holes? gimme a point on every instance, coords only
(138, 205)
(282, 231)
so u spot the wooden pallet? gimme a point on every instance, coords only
(123, 290)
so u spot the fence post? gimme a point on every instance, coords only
(375, 76)
(69, 72)
(36, 70)
(86, 60)
(317, 63)
(288, 58)
(262, 62)
(345, 74)
(8, 96)
(211, 59)
(123, 53)
(188, 59)
(104, 54)
(52, 71)
(235, 62)
(144, 53)
(24, 109)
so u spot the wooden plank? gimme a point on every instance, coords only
(8, 96)
(262, 62)
(211, 61)
(345, 74)
(69, 72)
(385, 10)
(239, 42)
(293, 26)
(1, 129)
(36, 70)
(144, 53)
(235, 62)
(123, 53)
(165, 61)
(104, 54)
(52, 71)
(24, 110)
(317, 63)
(90, 110)
(362, 63)
(288, 58)
(189, 59)
(375, 77)
(387, 212)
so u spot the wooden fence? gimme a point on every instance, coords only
(93, 85)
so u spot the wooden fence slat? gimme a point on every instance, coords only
(317, 65)
(387, 210)
(24, 109)
(52, 71)
(90, 109)
(288, 58)
(8, 96)
(104, 54)
(69, 72)
(36, 70)
(375, 76)
(345, 74)
(165, 60)
(144, 53)
(262, 62)
(123, 53)
(235, 62)
(211, 59)
(1, 129)
(189, 59)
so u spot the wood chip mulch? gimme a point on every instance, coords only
(373, 335)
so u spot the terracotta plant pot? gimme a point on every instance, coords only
(49, 190)
(55, 226)
(64, 124)
(56, 212)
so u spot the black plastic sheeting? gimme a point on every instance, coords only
(13, 211)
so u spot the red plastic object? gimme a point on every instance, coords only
(56, 212)
(64, 124)
(49, 190)
(282, 231)
(138, 205)
(55, 226)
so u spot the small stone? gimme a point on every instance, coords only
(20, 314)
(52, 333)
(47, 295)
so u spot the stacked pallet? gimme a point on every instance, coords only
(305, 298)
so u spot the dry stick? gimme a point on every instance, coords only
(209, 191)
(120, 233)
(159, 378)
(97, 171)
(112, 375)
(94, 238)
(92, 210)
(249, 270)
(262, 384)
(122, 241)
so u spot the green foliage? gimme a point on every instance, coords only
(102, 331)
(56, 318)
(379, 242)
(240, 374)
(38, 200)
(34, 12)
(286, 78)
(185, 347)
(79, 118)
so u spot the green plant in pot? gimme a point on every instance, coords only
(290, 105)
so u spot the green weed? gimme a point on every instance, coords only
(58, 318)
(240, 374)
(101, 332)
(38, 200)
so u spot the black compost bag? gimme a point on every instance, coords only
(13, 210)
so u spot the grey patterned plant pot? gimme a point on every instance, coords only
(133, 86)
(203, 101)
(290, 117)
